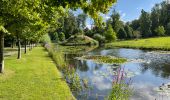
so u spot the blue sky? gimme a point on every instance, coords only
(128, 9)
(131, 9)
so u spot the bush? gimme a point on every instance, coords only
(45, 39)
(62, 36)
(54, 37)
(99, 38)
(160, 31)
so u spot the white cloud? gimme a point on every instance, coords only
(123, 15)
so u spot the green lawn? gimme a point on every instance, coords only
(34, 77)
(160, 43)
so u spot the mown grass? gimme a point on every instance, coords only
(159, 43)
(34, 77)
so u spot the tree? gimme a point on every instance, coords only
(135, 24)
(2, 33)
(168, 28)
(70, 25)
(122, 34)
(145, 24)
(110, 34)
(115, 21)
(81, 20)
(155, 17)
(160, 31)
(129, 31)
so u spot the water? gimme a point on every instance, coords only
(151, 69)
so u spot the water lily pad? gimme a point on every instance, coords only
(104, 59)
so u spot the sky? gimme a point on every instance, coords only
(128, 9)
(131, 9)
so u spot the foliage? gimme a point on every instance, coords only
(80, 40)
(145, 24)
(155, 16)
(115, 21)
(129, 32)
(149, 21)
(160, 31)
(99, 38)
(62, 36)
(45, 39)
(104, 59)
(54, 37)
(122, 34)
(110, 34)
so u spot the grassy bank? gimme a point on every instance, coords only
(34, 77)
(160, 43)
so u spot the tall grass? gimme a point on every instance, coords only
(69, 72)
(56, 55)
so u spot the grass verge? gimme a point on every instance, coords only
(159, 43)
(34, 77)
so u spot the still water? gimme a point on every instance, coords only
(151, 69)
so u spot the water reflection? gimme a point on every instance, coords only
(149, 74)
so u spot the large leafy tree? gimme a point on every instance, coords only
(145, 24)
(115, 21)
(155, 17)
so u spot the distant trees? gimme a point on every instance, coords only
(155, 23)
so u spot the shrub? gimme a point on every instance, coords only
(62, 36)
(99, 38)
(160, 31)
(45, 39)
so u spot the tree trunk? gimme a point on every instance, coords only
(12, 45)
(19, 49)
(25, 46)
(30, 46)
(1, 52)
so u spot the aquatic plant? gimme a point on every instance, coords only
(104, 59)
(121, 89)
